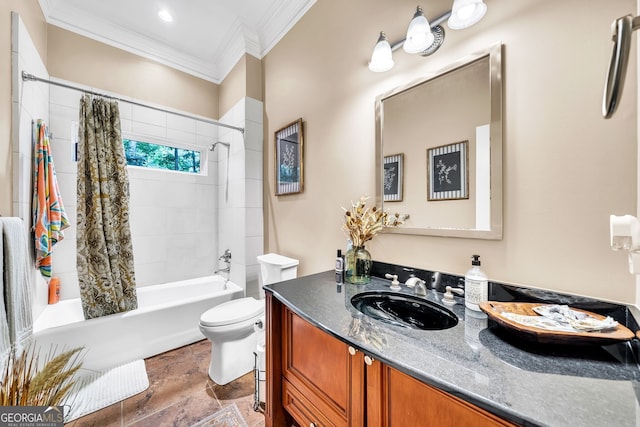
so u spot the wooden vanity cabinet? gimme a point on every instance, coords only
(394, 398)
(314, 379)
(323, 384)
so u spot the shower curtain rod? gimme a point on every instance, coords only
(30, 77)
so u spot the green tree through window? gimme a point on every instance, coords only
(150, 155)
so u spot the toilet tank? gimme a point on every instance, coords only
(276, 268)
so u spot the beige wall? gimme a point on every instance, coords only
(244, 79)
(31, 15)
(565, 168)
(79, 59)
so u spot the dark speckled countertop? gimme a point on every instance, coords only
(524, 382)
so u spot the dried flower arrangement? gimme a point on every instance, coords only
(23, 385)
(362, 223)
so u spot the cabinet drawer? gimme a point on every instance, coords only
(302, 410)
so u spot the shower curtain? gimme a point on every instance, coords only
(104, 252)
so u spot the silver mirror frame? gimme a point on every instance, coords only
(494, 53)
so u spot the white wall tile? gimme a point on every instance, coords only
(181, 136)
(149, 116)
(148, 129)
(253, 190)
(67, 183)
(180, 123)
(254, 223)
(254, 165)
(126, 110)
(206, 129)
(60, 120)
(126, 125)
(151, 274)
(150, 249)
(254, 110)
(62, 152)
(61, 96)
(253, 136)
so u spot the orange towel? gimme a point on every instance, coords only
(49, 217)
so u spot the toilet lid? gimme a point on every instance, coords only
(233, 311)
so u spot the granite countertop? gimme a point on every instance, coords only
(524, 382)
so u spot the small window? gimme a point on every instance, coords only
(158, 156)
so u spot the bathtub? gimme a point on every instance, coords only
(167, 317)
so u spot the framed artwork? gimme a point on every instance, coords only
(393, 177)
(289, 159)
(447, 172)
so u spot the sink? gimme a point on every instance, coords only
(404, 310)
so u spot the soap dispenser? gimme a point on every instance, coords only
(476, 285)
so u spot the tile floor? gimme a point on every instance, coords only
(180, 393)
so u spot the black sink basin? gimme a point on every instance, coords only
(404, 310)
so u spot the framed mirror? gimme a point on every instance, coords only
(448, 129)
(289, 159)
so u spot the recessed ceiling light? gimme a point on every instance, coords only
(165, 15)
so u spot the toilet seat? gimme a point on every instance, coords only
(233, 311)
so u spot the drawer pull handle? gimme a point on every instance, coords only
(352, 351)
(368, 360)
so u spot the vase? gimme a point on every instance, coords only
(358, 265)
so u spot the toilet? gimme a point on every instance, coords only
(231, 326)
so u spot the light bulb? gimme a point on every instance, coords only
(465, 13)
(419, 36)
(381, 58)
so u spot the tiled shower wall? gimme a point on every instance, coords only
(180, 222)
(240, 193)
(173, 214)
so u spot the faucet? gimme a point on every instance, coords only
(420, 288)
(226, 257)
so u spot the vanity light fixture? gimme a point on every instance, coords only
(465, 13)
(419, 36)
(381, 59)
(424, 36)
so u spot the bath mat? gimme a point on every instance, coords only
(101, 389)
(229, 416)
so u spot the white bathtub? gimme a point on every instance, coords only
(167, 317)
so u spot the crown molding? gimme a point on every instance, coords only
(283, 17)
(280, 18)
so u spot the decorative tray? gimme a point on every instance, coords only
(505, 312)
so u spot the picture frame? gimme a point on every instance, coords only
(393, 177)
(289, 160)
(448, 172)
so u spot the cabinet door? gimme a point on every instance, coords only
(320, 368)
(396, 399)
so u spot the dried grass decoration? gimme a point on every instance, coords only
(362, 223)
(24, 385)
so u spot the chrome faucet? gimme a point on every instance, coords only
(226, 257)
(420, 288)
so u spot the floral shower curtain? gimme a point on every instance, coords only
(104, 252)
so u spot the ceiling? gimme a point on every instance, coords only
(205, 39)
